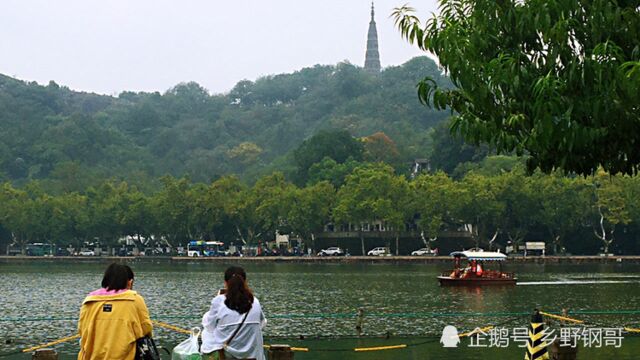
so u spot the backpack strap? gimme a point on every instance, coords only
(226, 343)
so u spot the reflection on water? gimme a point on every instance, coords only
(322, 299)
(579, 282)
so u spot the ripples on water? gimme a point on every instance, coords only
(314, 300)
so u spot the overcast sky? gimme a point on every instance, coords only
(151, 45)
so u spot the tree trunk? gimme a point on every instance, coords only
(431, 240)
(476, 233)
(515, 242)
(362, 241)
(493, 239)
(397, 244)
(603, 235)
(244, 242)
(250, 237)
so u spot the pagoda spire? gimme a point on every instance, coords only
(372, 57)
(373, 13)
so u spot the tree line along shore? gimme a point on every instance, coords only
(573, 214)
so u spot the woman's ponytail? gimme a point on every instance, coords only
(238, 295)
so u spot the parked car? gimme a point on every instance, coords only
(425, 252)
(269, 252)
(379, 251)
(332, 251)
(125, 252)
(158, 251)
(62, 252)
(87, 253)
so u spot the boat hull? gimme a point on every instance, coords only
(449, 281)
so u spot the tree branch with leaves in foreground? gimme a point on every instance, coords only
(558, 81)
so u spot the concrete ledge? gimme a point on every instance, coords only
(6, 258)
(328, 259)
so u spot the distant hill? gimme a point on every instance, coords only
(70, 139)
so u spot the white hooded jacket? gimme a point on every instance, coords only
(220, 322)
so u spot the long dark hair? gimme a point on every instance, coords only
(239, 296)
(116, 277)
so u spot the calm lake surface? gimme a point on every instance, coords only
(40, 303)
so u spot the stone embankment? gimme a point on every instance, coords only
(326, 259)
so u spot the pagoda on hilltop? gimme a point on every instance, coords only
(372, 57)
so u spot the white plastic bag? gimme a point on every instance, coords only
(188, 349)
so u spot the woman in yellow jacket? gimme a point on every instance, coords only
(113, 318)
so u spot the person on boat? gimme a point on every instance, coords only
(232, 328)
(113, 317)
(479, 270)
(467, 271)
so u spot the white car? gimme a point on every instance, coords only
(379, 251)
(332, 251)
(87, 253)
(424, 252)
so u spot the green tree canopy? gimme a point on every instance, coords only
(484, 209)
(338, 145)
(500, 203)
(557, 80)
(273, 197)
(311, 210)
(71, 140)
(374, 193)
(231, 199)
(450, 150)
(329, 170)
(174, 210)
(439, 201)
(609, 208)
(565, 204)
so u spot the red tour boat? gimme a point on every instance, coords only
(474, 273)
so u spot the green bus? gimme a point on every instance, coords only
(39, 249)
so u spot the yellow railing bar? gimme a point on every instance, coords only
(378, 348)
(56, 342)
(563, 318)
(300, 349)
(77, 336)
(292, 348)
(171, 327)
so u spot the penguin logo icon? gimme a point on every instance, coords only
(449, 337)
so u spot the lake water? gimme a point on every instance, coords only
(403, 304)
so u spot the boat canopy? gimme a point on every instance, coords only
(480, 255)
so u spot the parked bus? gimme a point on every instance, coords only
(205, 248)
(39, 249)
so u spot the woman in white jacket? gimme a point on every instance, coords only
(232, 328)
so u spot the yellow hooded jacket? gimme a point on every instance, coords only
(109, 325)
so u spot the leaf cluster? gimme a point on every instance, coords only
(557, 80)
